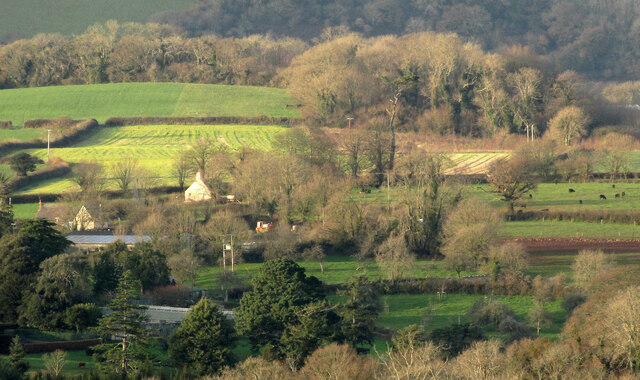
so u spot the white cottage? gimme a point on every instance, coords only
(198, 192)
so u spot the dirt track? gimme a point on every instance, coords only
(573, 244)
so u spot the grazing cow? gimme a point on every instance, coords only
(82, 364)
(602, 196)
(530, 195)
(623, 194)
(617, 195)
(572, 191)
(580, 201)
(613, 186)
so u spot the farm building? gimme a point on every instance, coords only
(97, 239)
(164, 320)
(198, 191)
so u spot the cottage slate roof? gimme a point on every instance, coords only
(50, 212)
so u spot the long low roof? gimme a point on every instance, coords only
(105, 238)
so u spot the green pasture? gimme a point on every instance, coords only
(337, 270)
(557, 196)
(25, 210)
(26, 18)
(36, 362)
(406, 309)
(22, 134)
(103, 101)
(564, 229)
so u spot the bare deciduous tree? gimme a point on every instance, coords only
(89, 178)
(622, 326)
(181, 169)
(512, 179)
(393, 257)
(54, 362)
(483, 360)
(124, 173)
(588, 265)
(421, 361)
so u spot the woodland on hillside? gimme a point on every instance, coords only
(435, 82)
(595, 37)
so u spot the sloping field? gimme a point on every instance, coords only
(153, 146)
(103, 101)
(473, 163)
(26, 18)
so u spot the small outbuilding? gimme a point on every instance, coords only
(198, 191)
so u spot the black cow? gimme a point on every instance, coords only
(580, 201)
(613, 186)
(623, 194)
(572, 191)
(602, 196)
(617, 195)
(530, 196)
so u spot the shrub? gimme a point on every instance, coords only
(516, 330)
(169, 295)
(571, 301)
(456, 338)
(489, 311)
(409, 336)
(82, 316)
(338, 362)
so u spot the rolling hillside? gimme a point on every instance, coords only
(153, 146)
(142, 99)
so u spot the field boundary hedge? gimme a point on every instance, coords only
(152, 120)
(463, 285)
(57, 168)
(72, 130)
(111, 194)
(591, 216)
(66, 345)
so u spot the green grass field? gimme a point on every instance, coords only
(403, 310)
(22, 134)
(154, 147)
(548, 229)
(25, 210)
(103, 101)
(557, 197)
(26, 18)
(338, 270)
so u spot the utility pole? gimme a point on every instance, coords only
(227, 248)
(48, 145)
(232, 257)
(388, 195)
